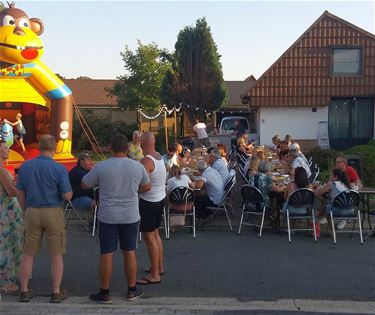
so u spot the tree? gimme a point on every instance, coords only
(196, 77)
(83, 77)
(140, 87)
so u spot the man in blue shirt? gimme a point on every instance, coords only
(42, 187)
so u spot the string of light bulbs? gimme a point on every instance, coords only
(164, 109)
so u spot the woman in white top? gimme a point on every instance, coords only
(178, 180)
(338, 182)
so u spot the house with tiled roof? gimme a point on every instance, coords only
(321, 88)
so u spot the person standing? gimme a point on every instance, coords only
(135, 149)
(11, 228)
(21, 131)
(151, 205)
(119, 179)
(200, 129)
(42, 187)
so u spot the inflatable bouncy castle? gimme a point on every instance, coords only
(28, 87)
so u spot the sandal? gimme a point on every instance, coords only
(12, 289)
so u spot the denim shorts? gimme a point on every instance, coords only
(110, 234)
(82, 203)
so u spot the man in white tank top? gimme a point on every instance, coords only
(151, 205)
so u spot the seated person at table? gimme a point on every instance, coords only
(354, 180)
(242, 148)
(264, 182)
(184, 158)
(276, 143)
(177, 179)
(297, 161)
(251, 167)
(300, 181)
(295, 146)
(288, 139)
(223, 152)
(216, 162)
(212, 190)
(170, 158)
(249, 146)
(284, 148)
(82, 198)
(338, 182)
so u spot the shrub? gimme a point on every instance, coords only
(324, 158)
(371, 142)
(367, 154)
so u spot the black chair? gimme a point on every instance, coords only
(372, 228)
(252, 204)
(300, 206)
(315, 170)
(181, 203)
(345, 206)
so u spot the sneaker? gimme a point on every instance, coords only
(26, 296)
(323, 220)
(133, 295)
(101, 298)
(59, 297)
(341, 224)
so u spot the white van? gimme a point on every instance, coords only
(227, 125)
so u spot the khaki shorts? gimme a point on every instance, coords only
(49, 220)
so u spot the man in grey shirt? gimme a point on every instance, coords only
(120, 179)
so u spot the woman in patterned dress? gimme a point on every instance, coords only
(11, 228)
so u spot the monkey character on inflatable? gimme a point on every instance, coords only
(20, 65)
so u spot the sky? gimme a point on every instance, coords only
(85, 38)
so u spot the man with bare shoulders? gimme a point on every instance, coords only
(151, 204)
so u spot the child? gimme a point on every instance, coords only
(21, 131)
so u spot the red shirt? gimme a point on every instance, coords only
(352, 174)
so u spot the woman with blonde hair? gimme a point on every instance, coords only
(135, 150)
(241, 147)
(177, 179)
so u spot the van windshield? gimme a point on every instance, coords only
(229, 124)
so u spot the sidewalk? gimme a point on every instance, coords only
(184, 306)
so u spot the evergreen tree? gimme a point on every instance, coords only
(196, 76)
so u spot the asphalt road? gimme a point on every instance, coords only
(223, 264)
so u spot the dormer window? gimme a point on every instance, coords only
(346, 61)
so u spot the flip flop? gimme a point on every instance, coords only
(148, 270)
(146, 281)
(5, 291)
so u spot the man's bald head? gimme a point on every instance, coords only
(148, 139)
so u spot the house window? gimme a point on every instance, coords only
(347, 61)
